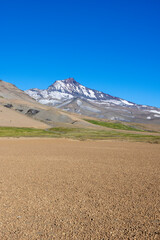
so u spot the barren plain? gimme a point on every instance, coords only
(69, 189)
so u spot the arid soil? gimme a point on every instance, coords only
(65, 189)
(11, 118)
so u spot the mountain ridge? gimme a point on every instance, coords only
(71, 96)
(85, 92)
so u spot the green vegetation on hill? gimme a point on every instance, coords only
(83, 134)
(76, 133)
(23, 132)
(113, 125)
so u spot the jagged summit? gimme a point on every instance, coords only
(66, 85)
(67, 81)
(70, 80)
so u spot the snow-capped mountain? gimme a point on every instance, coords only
(71, 96)
(69, 89)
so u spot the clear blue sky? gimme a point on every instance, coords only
(110, 45)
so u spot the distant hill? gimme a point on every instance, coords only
(20, 110)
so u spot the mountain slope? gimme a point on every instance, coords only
(71, 96)
(10, 91)
(11, 118)
(19, 109)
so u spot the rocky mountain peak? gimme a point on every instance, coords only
(74, 97)
(70, 80)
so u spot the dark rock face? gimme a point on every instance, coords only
(32, 112)
(8, 105)
(19, 110)
(70, 80)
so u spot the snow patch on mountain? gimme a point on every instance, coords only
(155, 111)
(40, 95)
(126, 102)
(79, 103)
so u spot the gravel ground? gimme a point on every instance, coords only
(65, 189)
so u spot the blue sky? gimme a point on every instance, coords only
(110, 45)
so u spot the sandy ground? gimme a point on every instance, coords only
(65, 189)
(11, 118)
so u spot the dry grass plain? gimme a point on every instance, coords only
(69, 189)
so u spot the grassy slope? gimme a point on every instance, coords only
(113, 125)
(22, 132)
(76, 133)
